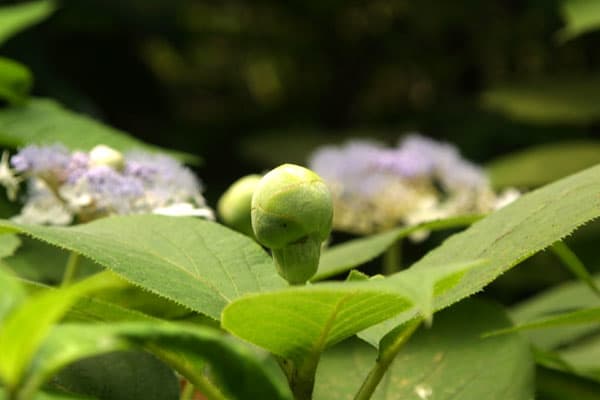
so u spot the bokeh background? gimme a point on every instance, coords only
(249, 84)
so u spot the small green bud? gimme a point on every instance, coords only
(292, 213)
(234, 205)
(104, 155)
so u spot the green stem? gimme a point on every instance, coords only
(574, 264)
(188, 391)
(387, 353)
(392, 258)
(196, 378)
(302, 378)
(71, 269)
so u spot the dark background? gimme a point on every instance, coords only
(246, 83)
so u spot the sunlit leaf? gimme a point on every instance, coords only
(199, 264)
(17, 17)
(15, 81)
(36, 316)
(581, 16)
(302, 321)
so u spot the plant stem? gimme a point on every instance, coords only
(387, 353)
(196, 378)
(302, 378)
(574, 264)
(71, 269)
(188, 391)
(392, 258)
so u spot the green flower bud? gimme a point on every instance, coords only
(234, 205)
(104, 155)
(292, 213)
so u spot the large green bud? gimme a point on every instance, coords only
(292, 212)
(234, 205)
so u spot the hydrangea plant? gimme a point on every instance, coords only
(182, 307)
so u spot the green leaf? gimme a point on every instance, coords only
(11, 295)
(566, 297)
(32, 254)
(543, 164)
(579, 317)
(15, 81)
(548, 100)
(508, 236)
(584, 357)
(8, 245)
(238, 370)
(581, 16)
(36, 316)
(199, 264)
(15, 18)
(122, 375)
(345, 256)
(44, 121)
(301, 322)
(447, 361)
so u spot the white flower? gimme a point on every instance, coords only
(8, 179)
(185, 210)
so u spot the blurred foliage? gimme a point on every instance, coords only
(581, 16)
(17, 17)
(221, 79)
(543, 164)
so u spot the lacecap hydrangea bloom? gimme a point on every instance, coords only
(65, 187)
(375, 187)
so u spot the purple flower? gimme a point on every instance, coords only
(35, 159)
(375, 187)
(165, 180)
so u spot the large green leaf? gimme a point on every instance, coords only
(15, 81)
(448, 361)
(300, 322)
(18, 17)
(345, 256)
(543, 164)
(44, 121)
(581, 16)
(548, 100)
(238, 371)
(566, 297)
(510, 235)
(199, 264)
(122, 375)
(36, 316)
(11, 295)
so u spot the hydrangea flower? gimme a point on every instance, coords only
(64, 187)
(375, 187)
